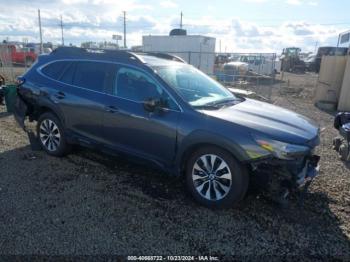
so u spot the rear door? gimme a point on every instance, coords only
(81, 97)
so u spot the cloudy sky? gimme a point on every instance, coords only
(240, 25)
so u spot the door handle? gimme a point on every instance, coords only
(60, 95)
(111, 109)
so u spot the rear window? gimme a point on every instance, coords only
(55, 69)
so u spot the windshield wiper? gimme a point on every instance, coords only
(222, 102)
(206, 107)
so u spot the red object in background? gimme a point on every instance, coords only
(19, 56)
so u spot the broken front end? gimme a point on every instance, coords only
(289, 170)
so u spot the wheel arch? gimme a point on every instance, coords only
(44, 108)
(194, 143)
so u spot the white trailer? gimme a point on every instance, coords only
(196, 50)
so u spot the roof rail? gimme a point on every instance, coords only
(165, 56)
(76, 51)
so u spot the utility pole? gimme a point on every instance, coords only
(41, 35)
(181, 20)
(124, 29)
(316, 44)
(62, 31)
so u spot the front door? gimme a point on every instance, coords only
(129, 127)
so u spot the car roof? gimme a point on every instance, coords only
(150, 59)
(156, 61)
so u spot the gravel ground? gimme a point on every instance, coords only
(89, 203)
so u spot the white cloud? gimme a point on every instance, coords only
(98, 22)
(300, 2)
(313, 3)
(294, 2)
(168, 4)
(256, 1)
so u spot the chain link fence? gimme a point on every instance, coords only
(15, 60)
(254, 72)
(248, 71)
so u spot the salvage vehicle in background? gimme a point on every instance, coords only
(158, 108)
(291, 61)
(310, 63)
(17, 55)
(328, 51)
(259, 64)
(341, 143)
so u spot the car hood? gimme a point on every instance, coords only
(270, 120)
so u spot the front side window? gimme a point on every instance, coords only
(136, 86)
(195, 87)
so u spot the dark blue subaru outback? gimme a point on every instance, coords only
(156, 107)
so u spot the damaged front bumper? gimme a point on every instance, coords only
(309, 172)
(283, 178)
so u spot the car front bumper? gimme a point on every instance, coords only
(283, 178)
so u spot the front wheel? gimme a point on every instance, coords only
(51, 135)
(215, 178)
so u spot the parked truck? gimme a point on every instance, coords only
(17, 55)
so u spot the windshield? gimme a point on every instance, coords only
(195, 87)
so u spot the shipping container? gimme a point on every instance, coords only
(344, 98)
(196, 50)
(330, 79)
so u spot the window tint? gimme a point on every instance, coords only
(92, 75)
(68, 74)
(55, 69)
(137, 86)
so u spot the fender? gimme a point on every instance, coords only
(46, 103)
(204, 137)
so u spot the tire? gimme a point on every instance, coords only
(228, 179)
(344, 152)
(51, 135)
(337, 141)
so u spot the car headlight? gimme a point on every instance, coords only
(280, 149)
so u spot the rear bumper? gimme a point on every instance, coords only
(20, 111)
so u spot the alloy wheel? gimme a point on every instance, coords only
(211, 177)
(49, 135)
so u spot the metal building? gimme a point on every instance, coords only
(196, 50)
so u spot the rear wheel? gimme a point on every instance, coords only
(215, 178)
(51, 135)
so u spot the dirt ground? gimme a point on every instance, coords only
(90, 203)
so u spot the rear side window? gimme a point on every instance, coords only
(68, 74)
(55, 69)
(92, 75)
